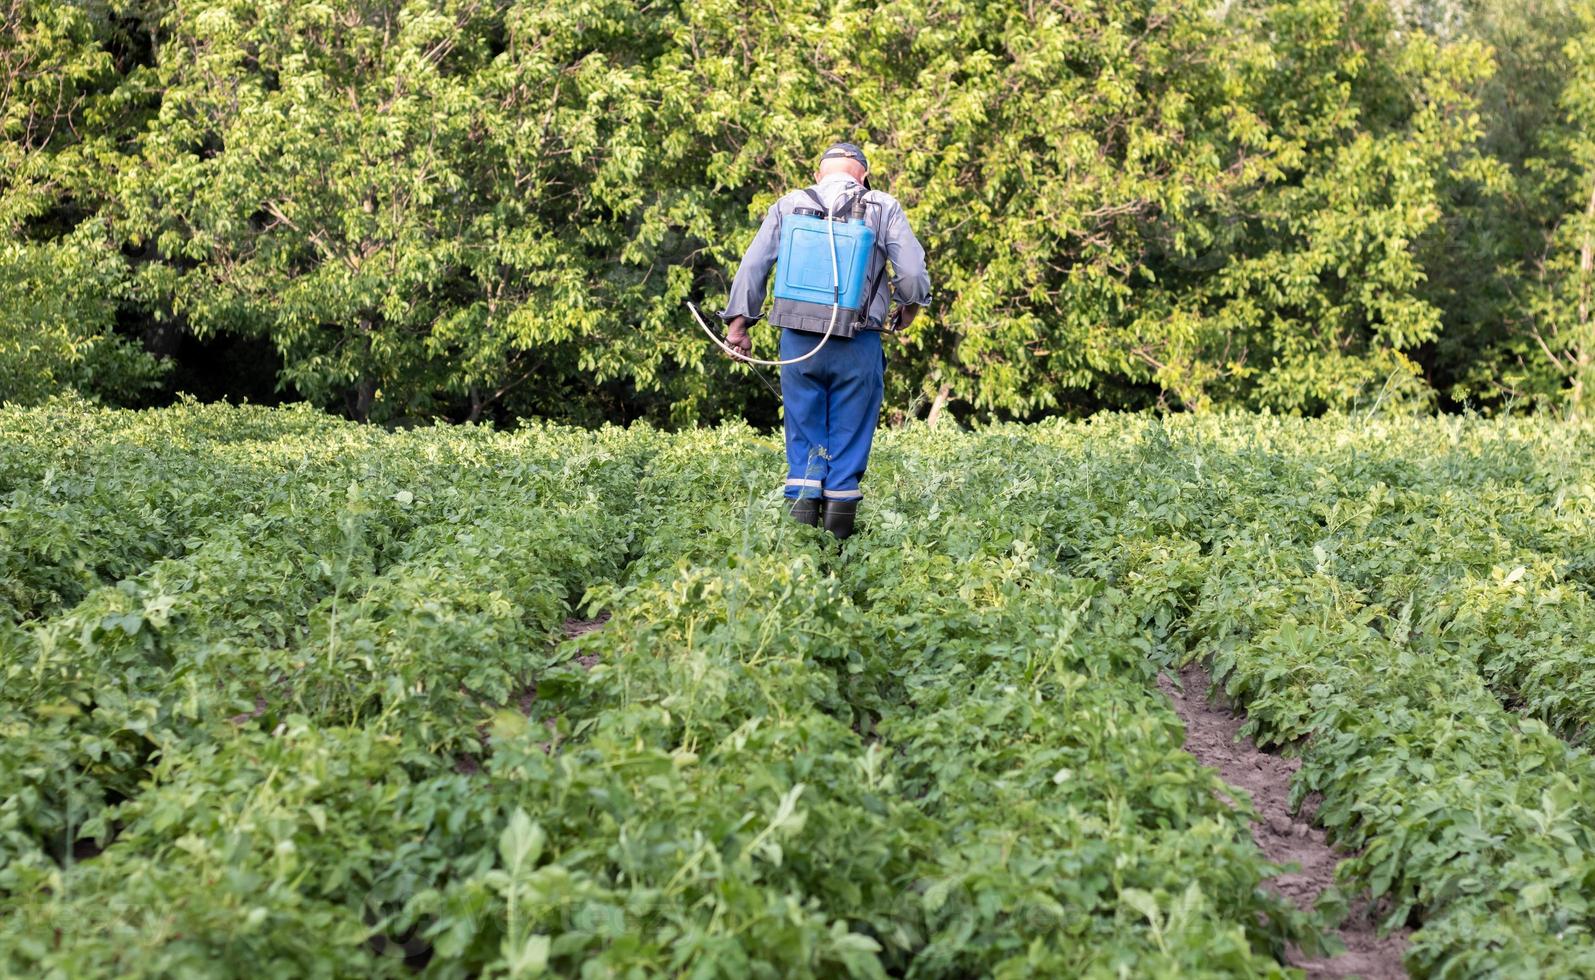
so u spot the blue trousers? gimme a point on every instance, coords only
(832, 403)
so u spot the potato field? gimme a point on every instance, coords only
(284, 696)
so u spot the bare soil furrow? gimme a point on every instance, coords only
(1212, 734)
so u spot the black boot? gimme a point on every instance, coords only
(806, 511)
(839, 515)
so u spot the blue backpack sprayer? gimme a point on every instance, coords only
(823, 257)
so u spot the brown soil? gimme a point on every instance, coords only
(581, 627)
(1212, 735)
(249, 716)
(526, 697)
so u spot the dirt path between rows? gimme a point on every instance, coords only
(575, 628)
(1211, 735)
(581, 627)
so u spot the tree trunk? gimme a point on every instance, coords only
(360, 400)
(939, 404)
(365, 389)
(1582, 341)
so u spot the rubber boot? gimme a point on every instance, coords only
(839, 515)
(806, 511)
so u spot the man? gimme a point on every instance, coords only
(832, 400)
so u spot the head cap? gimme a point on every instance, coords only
(849, 151)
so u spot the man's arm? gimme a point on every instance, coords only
(746, 302)
(910, 280)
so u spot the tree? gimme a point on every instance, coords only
(62, 281)
(1360, 126)
(1483, 256)
(1116, 215)
(489, 208)
(1563, 302)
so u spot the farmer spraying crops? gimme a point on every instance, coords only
(830, 245)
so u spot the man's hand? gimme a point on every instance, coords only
(903, 316)
(737, 336)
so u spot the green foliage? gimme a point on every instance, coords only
(1318, 307)
(1362, 589)
(448, 208)
(288, 695)
(1511, 268)
(62, 278)
(1562, 311)
(58, 305)
(335, 720)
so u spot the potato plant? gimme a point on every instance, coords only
(291, 697)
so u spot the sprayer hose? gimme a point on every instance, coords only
(836, 307)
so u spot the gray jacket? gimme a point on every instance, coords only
(909, 279)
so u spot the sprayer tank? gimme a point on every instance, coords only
(805, 288)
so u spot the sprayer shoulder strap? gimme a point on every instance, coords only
(844, 204)
(868, 299)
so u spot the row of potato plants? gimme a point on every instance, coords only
(1403, 607)
(89, 497)
(932, 754)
